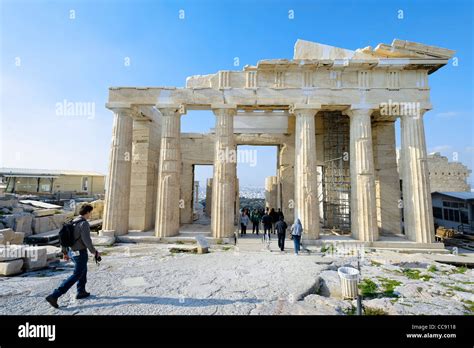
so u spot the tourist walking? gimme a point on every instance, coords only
(255, 218)
(244, 221)
(267, 227)
(296, 233)
(273, 214)
(78, 253)
(281, 227)
(280, 214)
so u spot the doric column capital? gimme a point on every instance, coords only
(224, 109)
(171, 109)
(304, 109)
(360, 111)
(122, 109)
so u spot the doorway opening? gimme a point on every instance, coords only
(258, 184)
(202, 194)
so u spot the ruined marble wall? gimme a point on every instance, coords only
(447, 176)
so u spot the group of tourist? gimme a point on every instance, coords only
(273, 222)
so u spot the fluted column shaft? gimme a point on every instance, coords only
(417, 206)
(363, 201)
(169, 170)
(306, 187)
(225, 171)
(117, 195)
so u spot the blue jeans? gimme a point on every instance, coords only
(79, 275)
(296, 241)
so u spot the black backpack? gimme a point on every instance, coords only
(66, 234)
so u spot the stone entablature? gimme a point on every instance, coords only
(318, 75)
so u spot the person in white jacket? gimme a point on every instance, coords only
(244, 221)
(297, 232)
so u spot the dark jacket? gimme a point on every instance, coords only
(281, 227)
(274, 216)
(255, 217)
(280, 215)
(82, 236)
(267, 220)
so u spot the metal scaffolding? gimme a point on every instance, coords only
(336, 176)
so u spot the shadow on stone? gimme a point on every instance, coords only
(178, 302)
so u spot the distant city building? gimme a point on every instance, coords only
(447, 176)
(23, 180)
(454, 210)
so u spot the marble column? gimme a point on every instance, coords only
(286, 175)
(271, 192)
(363, 202)
(417, 206)
(169, 173)
(306, 186)
(195, 196)
(207, 210)
(237, 203)
(117, 194)
(225, 171)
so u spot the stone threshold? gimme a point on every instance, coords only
(393, 243)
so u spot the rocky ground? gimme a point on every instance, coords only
(149, 279)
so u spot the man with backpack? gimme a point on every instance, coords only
(75, 239)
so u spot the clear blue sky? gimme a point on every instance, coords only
(78, 59)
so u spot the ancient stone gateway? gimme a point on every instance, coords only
(330, 111)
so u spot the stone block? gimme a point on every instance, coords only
(8, 202)
(27, 208)
(18, 238)
(107, 233)
(35, 258)
(44, 212)
(23, 223)
(103, 241)
(8, 234)
(52, 252)
(42, 224)
(330, 284)
(8, 268)
(202, 245)
(49, 223)
(59, 219)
